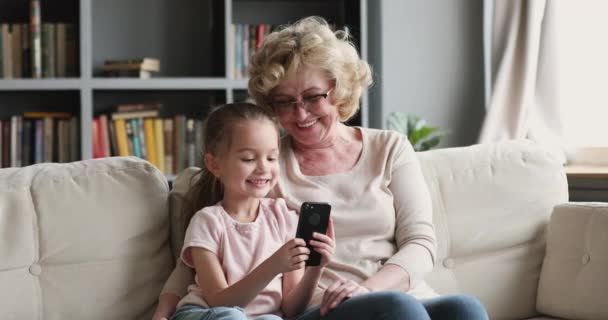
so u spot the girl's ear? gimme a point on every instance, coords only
(212, 164)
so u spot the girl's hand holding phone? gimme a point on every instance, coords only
(291, 256)
(324, 244)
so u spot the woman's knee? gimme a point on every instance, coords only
(396, 302)
(460, 306)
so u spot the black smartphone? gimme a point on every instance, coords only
(314, 217)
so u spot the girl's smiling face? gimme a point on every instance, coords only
(249, 168)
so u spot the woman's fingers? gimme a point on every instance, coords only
(342, 294)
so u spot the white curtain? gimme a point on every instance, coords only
(521, 73)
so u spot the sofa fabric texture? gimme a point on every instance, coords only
(577, 254)
(85, 240)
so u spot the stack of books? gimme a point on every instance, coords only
(142, 68)
(169, 143)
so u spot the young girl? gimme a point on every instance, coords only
(248, 263)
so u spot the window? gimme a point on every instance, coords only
(583, 77)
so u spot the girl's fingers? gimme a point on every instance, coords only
(330, 229)
(321, 245)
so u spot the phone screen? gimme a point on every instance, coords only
(314, 217)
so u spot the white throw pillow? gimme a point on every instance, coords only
(574, 277)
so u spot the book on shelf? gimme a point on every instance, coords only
(160, 144)
(48, 50)
(243, 40)
(35, 139)
(6, 143)
(16, 35)
(141, 74)
(135, 114)
(46, 114)
(146, 64)
(7, 52)
(142, 68)
(36, 38)
(169, 151)
(138, 107)
(21, 48)
(171, 144)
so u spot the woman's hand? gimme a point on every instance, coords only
(324, 244)
(338, 292)
(291, 256)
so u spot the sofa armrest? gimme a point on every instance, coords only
(574, 277)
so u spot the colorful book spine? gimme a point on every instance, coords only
(36, 39)
(129, 131)
(48, 50)
(150, 141)
(160, 144)
(136, 141)
(169, 150)
(74, 140)
(39, 141)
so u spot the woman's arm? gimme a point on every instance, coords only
(175, 288)
(166, 306)
(414, 230)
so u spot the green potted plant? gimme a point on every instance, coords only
(421, 136)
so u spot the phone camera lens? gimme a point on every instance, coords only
(314, 219)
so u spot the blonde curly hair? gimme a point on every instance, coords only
(310, 42)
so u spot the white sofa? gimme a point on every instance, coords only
(91, 239)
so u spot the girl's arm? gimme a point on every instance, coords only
(216, 290)
(298, 289)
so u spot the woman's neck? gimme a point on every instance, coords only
(241, 209)
(340, 136)
(337, 155)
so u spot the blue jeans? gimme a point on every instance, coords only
(387, 305)
(196, 312)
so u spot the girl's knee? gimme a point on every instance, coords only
(269, 317)
(226, 313)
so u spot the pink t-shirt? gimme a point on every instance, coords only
(241, 247)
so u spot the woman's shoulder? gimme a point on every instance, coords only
(386, 139)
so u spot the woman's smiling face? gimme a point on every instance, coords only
(313, 118)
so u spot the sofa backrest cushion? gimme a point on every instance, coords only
(491, 205)
(85, 240)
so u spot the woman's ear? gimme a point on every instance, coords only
(212, 164)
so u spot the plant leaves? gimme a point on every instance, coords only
(430, 143)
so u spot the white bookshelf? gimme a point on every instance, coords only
(190, 37)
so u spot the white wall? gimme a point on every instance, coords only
(427, 59)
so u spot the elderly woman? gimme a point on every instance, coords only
(312, 78)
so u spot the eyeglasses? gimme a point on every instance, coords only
(307, 102)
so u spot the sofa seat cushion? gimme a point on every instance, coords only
(574, 277)
(85, 240)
